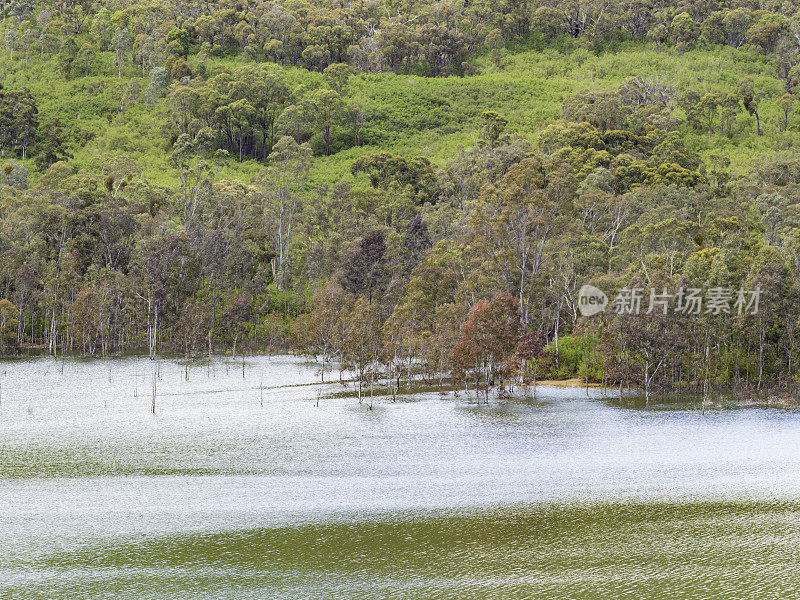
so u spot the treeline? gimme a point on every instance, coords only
(172, 49)
(517, 232)
(470, 270)
(429, 39)
(467, 269)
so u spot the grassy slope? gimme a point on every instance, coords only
(415, 115)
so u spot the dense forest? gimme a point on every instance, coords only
(405, 187)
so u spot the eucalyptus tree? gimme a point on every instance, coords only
(121, 44)
(190, 159)
(513, 222)
(327, 110)
(281, 184)
(488, 340)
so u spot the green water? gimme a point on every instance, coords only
(637, 550)
(223, 495)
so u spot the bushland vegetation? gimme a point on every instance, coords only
(404, 187)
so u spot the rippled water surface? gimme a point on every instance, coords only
(241, 487)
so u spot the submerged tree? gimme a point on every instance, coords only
(235, 319)
(361, 346)
(652, 340)
(9, 324)
(531, 360)
(321, 332)
(488, 340)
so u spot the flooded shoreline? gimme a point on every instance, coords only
(225, 493)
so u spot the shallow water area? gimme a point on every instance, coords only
(242, 487)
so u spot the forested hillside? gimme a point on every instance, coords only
(406, 185)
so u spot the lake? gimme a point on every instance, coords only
(241, 487)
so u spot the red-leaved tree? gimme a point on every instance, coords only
(488, 340)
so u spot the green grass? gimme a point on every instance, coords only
(414, 115)
(529, 89)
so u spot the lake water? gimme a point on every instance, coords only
(234, 492)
